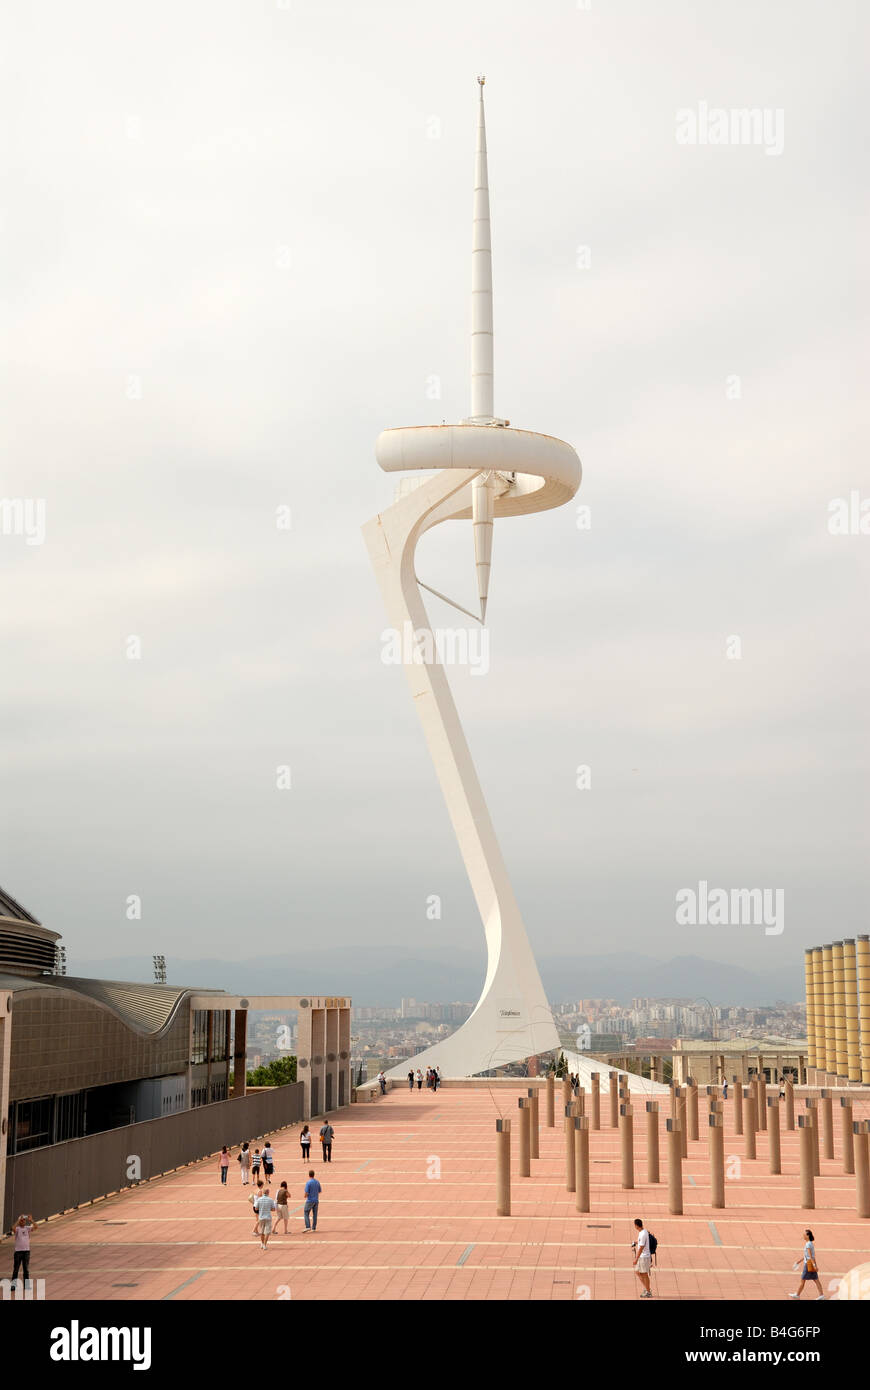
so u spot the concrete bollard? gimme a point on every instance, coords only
(693, 1111)
(567, 1093)
(675, 1168)
(534, 1122)
(626, 1143)
(813, 1111)
(596, 1100)
(551, 1101)
(683, 1112)
(749, 1125)
(614, 1100)
(580, 1100)
(761, 1101)
(652, 1141)
(717, 1159)
(827, 1109)
(789, 1104)
(805, 1129)
(774, 1147)
(525, 1109)
(847, 1134)
(861, 1149)
(738, 1107)
(581, 1162)
(502, 1167)
(570, 1158)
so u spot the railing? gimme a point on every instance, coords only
(46, 1181)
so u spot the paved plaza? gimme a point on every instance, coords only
(408, 1212)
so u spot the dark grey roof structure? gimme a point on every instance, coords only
(14, 911)
(145, 1009)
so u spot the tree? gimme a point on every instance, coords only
(561, 1066)
(281, 1072)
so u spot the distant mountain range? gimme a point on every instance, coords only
(380, 975)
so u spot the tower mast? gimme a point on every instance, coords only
(482, 491)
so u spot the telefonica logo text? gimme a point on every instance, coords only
(444, 646)
(75, 1343)
(734, 907)
(714, 125)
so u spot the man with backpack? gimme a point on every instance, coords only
(644, 1248)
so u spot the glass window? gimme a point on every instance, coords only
(200, 1036)
(33, 1123)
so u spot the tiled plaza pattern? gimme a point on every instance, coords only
(391, 1228)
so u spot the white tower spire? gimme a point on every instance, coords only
(482, 492)
(481, 281)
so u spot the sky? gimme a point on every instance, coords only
(236, 246)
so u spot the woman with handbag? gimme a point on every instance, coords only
(809, 1270)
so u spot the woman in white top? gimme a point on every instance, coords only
(809, 1268)
(419, 1079)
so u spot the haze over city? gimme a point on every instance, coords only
(214, 260)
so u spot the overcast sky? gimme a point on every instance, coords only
(236, 246)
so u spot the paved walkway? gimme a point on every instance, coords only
(408, 1212)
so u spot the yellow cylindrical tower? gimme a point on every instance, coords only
(830, 1062)
(811, 1013)
(819, 1003)
(862, 958)
(840, 1057)
(850, 981)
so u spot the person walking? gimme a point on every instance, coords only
(244, 1157)
(268, 1160)
(642, 1257)
(410, 1080)
(224, 1164)
(265, 1207)
(312, 1201)
(809, 1268)
(327, 1134)
(282, 1207)
(419, 1079)
(724, 1090)
(255, 1165)
(254, 1199)
(382, 1082)
(21, 1254)
(437, 1077)
(305, 1142)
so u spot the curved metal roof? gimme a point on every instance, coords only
(10, 908)
(145, 1009)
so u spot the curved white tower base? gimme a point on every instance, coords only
(512, 1019)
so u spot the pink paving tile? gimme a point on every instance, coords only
(390, 1232)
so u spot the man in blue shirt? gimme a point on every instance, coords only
(312, 1201)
